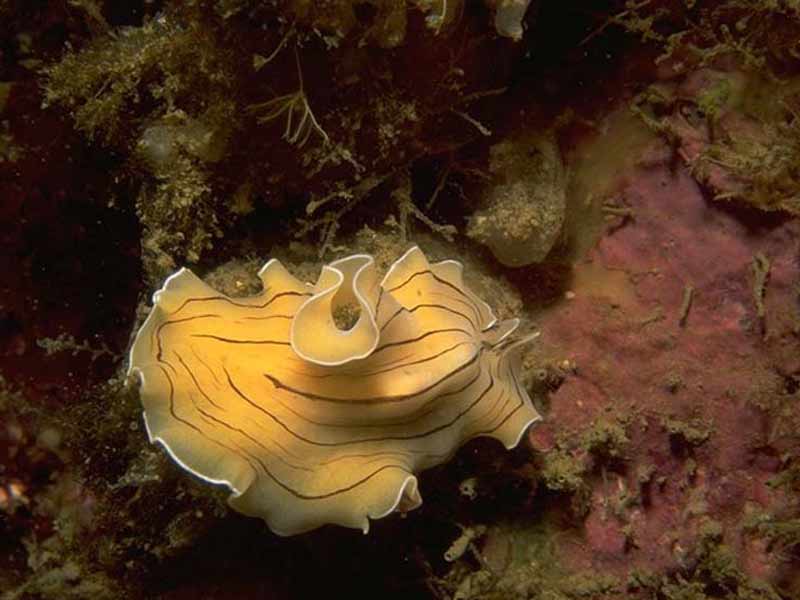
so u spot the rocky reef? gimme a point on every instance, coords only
(624, 177)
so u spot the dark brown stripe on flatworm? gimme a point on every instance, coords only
(239, 304)
(417, 416)
(293, 433)
(470, 302)
(430, 305)
(219, 338)
(376, 399)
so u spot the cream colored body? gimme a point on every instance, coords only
(309, 424)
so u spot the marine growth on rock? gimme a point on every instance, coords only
(521, 213)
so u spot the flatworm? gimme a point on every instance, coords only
(309, 423)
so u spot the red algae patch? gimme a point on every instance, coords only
(669, 323)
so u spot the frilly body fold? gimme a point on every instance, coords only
(308, 424)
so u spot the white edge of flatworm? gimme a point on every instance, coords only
(142, 383)
(511, 330)
(167, 281)
(512, 344)
(397, 262)
(263, 269)
(460, 266)
(538, 417)
(370, 262)
(522, 431)
(411, 479)
(486, 305)
(154, 301)
(235, 492)
(153, 439)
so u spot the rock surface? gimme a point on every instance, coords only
(522, 212)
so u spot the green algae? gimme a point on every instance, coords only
(788, 478)
(761, 157)
(160, 93)
(531, 568)
(567, 468)
(101, 85)
(766, 165)
(781, 527)
(118, 508)
(709, 570)
(67, 343)
(713, 571)
(563, 472)
(715, 98)
(177, 98)
(756, 33)
(783, 533)
(10, 397)
(54, 564)
(630, 497)
(692, 432)
(606, 438)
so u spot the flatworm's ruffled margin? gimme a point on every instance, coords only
(353, 280)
